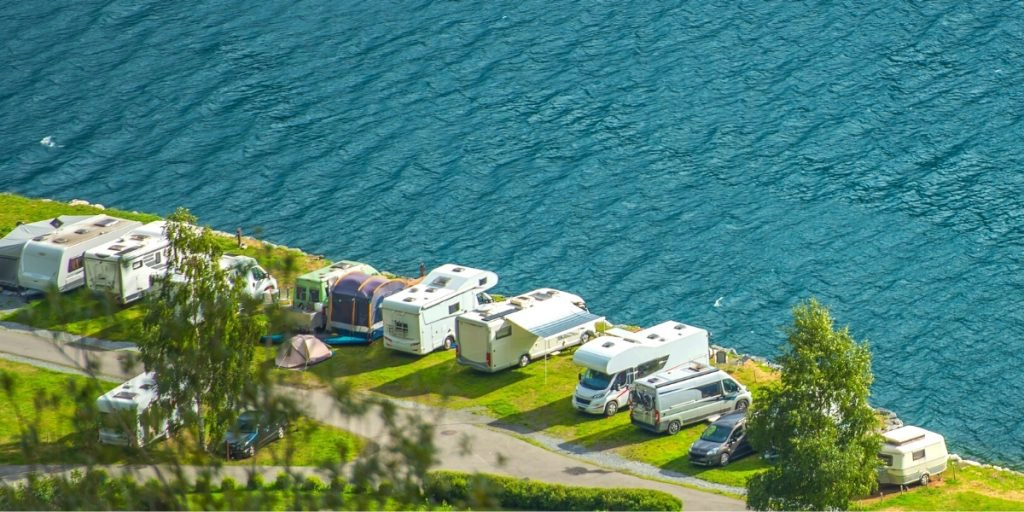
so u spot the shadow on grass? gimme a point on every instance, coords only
(736, 473)
(448, 378)
(558, 412)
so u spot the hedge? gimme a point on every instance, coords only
(488, 491)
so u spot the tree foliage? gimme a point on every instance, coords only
(817, 420)
(201, 328)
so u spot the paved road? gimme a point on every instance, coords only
(492, 451)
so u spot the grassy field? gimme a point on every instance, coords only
(965, 488)
(42, 401)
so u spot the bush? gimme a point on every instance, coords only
(228, 484)
(255, 481)
(313, 483)
(202, 485)
(283, 482)
(490, 491)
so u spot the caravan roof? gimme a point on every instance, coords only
(139, 391)
(908, 439)
(442, 283)
(77, 233)
(499, 310)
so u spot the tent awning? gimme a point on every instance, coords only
(551, 318)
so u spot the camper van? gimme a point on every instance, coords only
(125, 267)
(666, 401)
(526, 327)
(258, 283)
(911, 454)
(312, 292)
(612, 362)
(129, 415)
(421, 319)
(57, 259)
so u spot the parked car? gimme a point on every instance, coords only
(723, 441)
(251, 431)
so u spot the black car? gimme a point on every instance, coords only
(251, 431)
(723, 441)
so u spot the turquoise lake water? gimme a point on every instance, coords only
(712, 165)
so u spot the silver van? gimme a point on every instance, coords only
(666, 401)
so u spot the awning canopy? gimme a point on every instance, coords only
(551, 318)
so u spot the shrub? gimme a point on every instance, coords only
(228, 484)
(283, 482)
(313, 483)
(490, 491)
(255, 481)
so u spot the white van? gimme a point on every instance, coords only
(666, 401)
(522, 329)
(613, 361)
(911, 454)
(421, 319)
(129, 416)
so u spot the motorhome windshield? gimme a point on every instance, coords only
(595, 380)
(715, 434)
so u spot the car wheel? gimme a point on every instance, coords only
(723, 460)
(449, 342)
(524, 360)
(673, 428)
(611, 408)
(250, 451)
(742, 405)
(925, 478)
(585, 337)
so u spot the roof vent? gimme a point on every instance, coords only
(414, 290)
(109, 221)
(39, 238)
(125, 395)
(652, 336)
(458, 269)
(81, 231)
(430, 290)
(608, 344)
(60, 240)
(116, 247)
(680, 327)
(409, 299)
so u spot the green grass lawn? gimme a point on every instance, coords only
(14, 209)
(43, 402)
(968, 488)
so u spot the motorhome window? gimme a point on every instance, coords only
(886, 459)
(595, 380)
(620, 380)
(453, 308)
(300, 295)
(504, 332)
(710, 390)
(652, 366)
(156, 258)
(715, 434)
(137, 264)
(75, 263)
(483, 281)
(918, 455)
(314, 295)
(400, 329)
(730, 386)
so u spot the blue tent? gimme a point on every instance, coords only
(355, 304)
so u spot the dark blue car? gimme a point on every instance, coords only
(723, 441)
(251, 431)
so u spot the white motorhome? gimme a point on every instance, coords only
(613, 361)
(503, 334)
(911, 454)
(258, 283)
(421, 319)
(129, 415)
(57, 259)
(125, 267)
(667, 400)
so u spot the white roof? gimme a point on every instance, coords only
(908, 439)
(137, 241)
(497, 311)
(139, 391)
(619, 350)
(89, 228)
(442, 283)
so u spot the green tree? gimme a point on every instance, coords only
(201, 329)
(816, 420)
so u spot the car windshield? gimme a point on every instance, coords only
(246, 424)
(595, 380)
(715, 434)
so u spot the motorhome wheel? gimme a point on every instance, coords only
(585, 337)
(449, 342)
(742, 405)
(611, 408)
(524, 360)
(724, 459)
(673, 428)
(925, 478)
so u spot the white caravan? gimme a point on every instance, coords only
(12, 244)
(129, 415)
(911, 454)
(421, 319)
(125, 267)
(503, 334)
(613, 361)
(57, 259)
